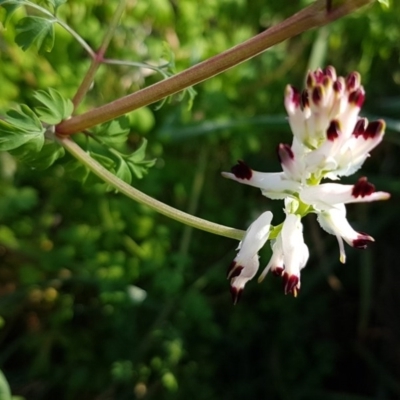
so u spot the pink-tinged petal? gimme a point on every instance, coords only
(326, 195)
(292, 99)
(334, 221)
(330, 72)
(339, 85)
(357, 97)
(353, 81)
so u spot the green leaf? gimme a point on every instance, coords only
(385, 3)
(113, 132)
(123, 171)
(49, 153)
(35, 30)
(76, 170)
(55, 3)
(24, 119)
(136, 162)
(10, 8)
(56, 107)
(20, 127)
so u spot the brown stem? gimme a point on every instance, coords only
(99, 56)
(313, 16)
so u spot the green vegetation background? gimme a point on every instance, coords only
(102, 298)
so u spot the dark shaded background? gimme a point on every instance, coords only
(102, 298)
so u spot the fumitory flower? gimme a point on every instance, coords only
(330, 140)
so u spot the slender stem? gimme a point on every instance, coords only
(142, 198)
(98, 56)
(313, 16)
(77, 37)
(54, 18)
(138, 65)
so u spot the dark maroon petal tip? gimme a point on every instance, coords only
(374, 128)
(295, 96)
(284, 153)
(362, 188)
(242, 170)
(317, 95)
(330, 72)
(290, 283)
(236, 294)
(305, 99)
(310, 80)
(319, 75)
(278, 271)
(362, 241)
(357, 97)
(353, 81)
(338, 86)
(333, 131)
(234, 270)
(360, 127)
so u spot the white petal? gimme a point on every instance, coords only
(276, 260)
(255, 237)
(274, 185)
(334, 221)
(326, 195)
(245, 264)
(295, 252)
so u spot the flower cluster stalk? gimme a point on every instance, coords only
(142, 198)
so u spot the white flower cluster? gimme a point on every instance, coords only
(330, 140)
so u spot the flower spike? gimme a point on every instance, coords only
(329, 141)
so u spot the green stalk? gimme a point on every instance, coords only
(313, 16)
(142, 198)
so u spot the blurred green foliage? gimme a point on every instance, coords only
(102, 298)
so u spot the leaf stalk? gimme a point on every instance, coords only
(313, 16)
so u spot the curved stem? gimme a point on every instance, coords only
(315, 15)
(142, 198)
